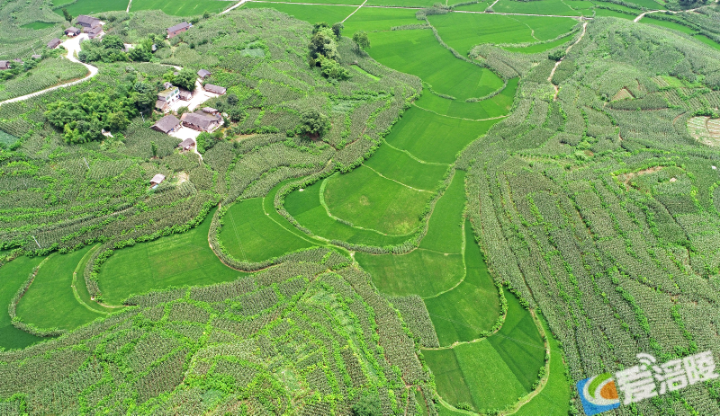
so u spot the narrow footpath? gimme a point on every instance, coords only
(557, 64)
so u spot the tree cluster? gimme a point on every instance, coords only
(323, 51)
(184, 79)
(112, 49)
(17, 69)
(83, 119)
(313, 123)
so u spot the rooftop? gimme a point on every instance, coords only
(157, 178)
(167, 123)
(179, 26)
(166, 92)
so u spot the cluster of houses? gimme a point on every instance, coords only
(172, 93)
(92, 26)
(206, 120)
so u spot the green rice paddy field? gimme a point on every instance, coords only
(496, 371)
(305, 207)
(379, 20)
(556, 391)
(38, 25)
(473, 306)
(540, 47)
(417, 52)
(312, 14)
(92, 6)
(371, 201)
(551, 7)
(436, 266)
(250, 235)
(181, 7)
(485, 110)
(433, 138)
(384, 201)
(177, 260)
(463, 31)
(12, 276)
(50, 301)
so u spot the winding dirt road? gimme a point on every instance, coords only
(552, 73)
(73, 47)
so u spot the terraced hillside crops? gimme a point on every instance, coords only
(500, 204)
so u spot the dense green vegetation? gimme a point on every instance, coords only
(34, 76)
(466, 214)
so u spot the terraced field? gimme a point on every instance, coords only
(506, 198)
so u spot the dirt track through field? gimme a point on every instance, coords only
(354, 11)
(72, 45)
(557, 64)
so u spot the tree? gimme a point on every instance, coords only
(140, 54)
(185, 79)
(332, 69)
(337, 29)
(323, 43)
(319, 26)
(361, 39)
(153, 148)
(368, 405)
(112, 42)
(313, 123)
(556, 56)
(232, 99)
(117, 121)
(206, 15)
(67, 15)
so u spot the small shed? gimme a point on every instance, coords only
(167, 124)
(54, 43)
(178, 29)
(210, 110)
(167, 85)
(18, 60)
(157, 179)
(204, 73)
(72, 31)
(187, 144)
(215, 89)
(4, 65)
(38, 57)
(162, 106)
(185, 95)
